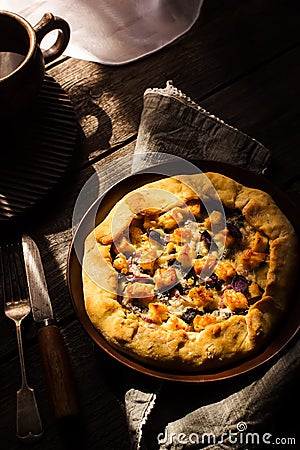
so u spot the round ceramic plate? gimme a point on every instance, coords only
(36, 152)
(284, 334)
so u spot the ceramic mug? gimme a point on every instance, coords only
(22, 62)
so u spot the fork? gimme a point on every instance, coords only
(17, 307)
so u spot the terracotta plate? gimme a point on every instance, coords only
(284, 334)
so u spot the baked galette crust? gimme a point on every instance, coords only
(200, 323)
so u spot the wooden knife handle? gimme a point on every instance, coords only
(58, 372)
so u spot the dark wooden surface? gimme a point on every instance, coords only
(241, 62)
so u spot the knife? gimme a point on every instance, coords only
(55, 359)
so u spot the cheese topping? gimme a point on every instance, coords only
(172, 276)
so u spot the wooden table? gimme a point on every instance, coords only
(241, 62)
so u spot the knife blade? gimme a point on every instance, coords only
(55, 359)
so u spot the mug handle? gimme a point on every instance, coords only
(48, 23)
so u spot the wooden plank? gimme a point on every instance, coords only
(230, 39)
(265, 105)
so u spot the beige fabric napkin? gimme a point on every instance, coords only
(172, 122)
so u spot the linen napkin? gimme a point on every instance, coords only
(222, 415)
(172, 122)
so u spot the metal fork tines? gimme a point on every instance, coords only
(17, 307)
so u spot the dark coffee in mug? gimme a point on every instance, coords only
(9, 61)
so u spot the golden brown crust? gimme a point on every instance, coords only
(220, 343)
